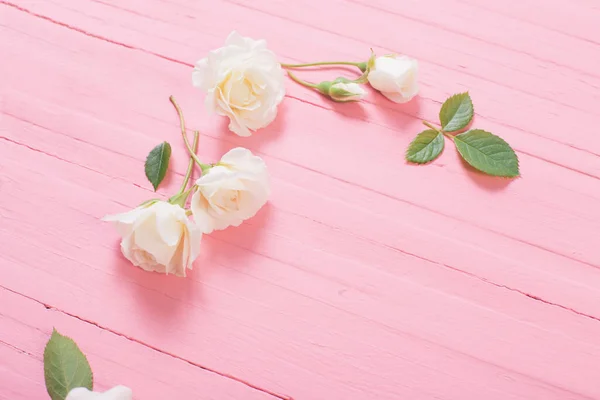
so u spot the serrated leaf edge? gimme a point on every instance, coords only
(472, 107)
(518, 174)
(413, 141)
(56, 336)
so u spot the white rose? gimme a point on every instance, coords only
(158, 237)
(231, 192)
(244, 81)
(395, 77)
(116, 393)
(350, 91)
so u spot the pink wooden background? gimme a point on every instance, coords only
(364, 277)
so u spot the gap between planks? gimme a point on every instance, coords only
(441, 265)
(149, 52)
(221, 374)
(316, 171)
(308, 102)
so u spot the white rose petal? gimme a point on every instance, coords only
(243, 81)
(230, 192)
(116, 393)
(158, 237)
(395, 77)
(349, 91)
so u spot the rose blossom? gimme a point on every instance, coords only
(395, 77)
(231, 191)
(158, 237)
(346, 91)
(243, 81)
(116, 393)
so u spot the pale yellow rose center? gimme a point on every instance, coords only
(238, 92)
(226, 200)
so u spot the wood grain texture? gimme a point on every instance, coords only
(363, 277)
(27, 324)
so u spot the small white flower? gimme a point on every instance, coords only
(231, 192)
(343, 92)
(395, 77)
(158, 237)
(116, 393)
(244, 81)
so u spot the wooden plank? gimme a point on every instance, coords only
(565, 229)
(553, 16)
(491, 257)
(311, 323)
(26, 326)
(21, 374)
(363, 277)
(172, 31)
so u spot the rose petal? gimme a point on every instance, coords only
(82, 394)
(118, 393)
(244, 81)
(148, 239)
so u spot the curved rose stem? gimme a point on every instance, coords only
(185, 138)
(316, 64)
(190, 167)
(300, 81)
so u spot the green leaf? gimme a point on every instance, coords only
(157, 163)
(65, 367)
(456, 112)
(426, 147)
(488, 153)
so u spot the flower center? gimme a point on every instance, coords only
(228, 200)
(242, 94)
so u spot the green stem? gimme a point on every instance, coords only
(449, 136)
(185, 138)
(300, 81)
(364, 78)
(315, 64)
(180, 198)
(190, 167)
(431, 126)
